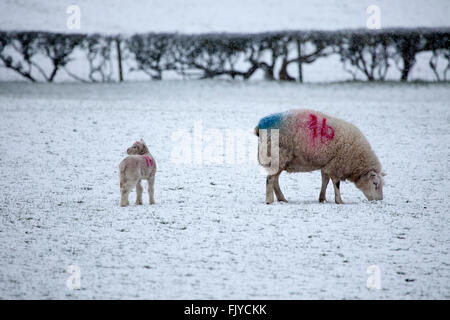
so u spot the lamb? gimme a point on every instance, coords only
(309, 140)
(139, 165)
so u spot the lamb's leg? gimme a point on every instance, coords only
(124, 192)
(269, 188)
(337, 192)
(139, 190)
(124, 189)
(276, 187)
(151, 189)
(323, 191)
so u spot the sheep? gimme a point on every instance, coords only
(309, 140)
(139, 165)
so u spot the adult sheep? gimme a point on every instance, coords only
(309, 140)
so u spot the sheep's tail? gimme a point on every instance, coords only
(256, 131)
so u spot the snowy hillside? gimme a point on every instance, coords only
(207, 16)
(210, 235)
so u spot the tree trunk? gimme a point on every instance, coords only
(300, 67)
(250, 71)
(53, 74)
(433, 65)
(283, 74)
(405, 70)
(268, 72)
(119, 59)
(409, 59)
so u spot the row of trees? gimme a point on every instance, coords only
(366, 53)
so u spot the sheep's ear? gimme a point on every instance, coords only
(142, 141)
(383, 174)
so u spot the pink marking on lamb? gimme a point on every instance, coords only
(148, 161)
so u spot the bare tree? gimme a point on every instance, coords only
(438, 42)
(368, 53)
(315, 44)
(406, 44)
(58, 48)
(151, 53)
(24, 47)
(212, 55)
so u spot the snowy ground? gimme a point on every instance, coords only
(210, 235)
(193, 16)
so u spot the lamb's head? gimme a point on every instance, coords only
(139, 147)
(371, 184)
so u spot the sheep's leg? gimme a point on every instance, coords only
(323, 191)
(151, 189)
(276, 188)
(269, 189)
(337, 192)
(139, 190)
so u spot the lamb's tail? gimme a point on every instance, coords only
(256, 131)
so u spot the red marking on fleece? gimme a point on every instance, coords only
(148, 161)
(312, 124)
(326, 131)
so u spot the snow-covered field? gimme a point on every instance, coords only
(193, 16)
(210, 235)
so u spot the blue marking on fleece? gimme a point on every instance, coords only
(271, 121)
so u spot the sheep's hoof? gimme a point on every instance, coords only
(123, 204)
(322, 200)
(269, 202)
(152, 202)
(282, 200)
(139, 202)
(339, 202)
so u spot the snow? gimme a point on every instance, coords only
(210, 234)
(193, 16)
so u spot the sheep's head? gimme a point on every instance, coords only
(139, 147)
(371, 184)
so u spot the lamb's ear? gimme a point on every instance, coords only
(142, 141)
(383, 174)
